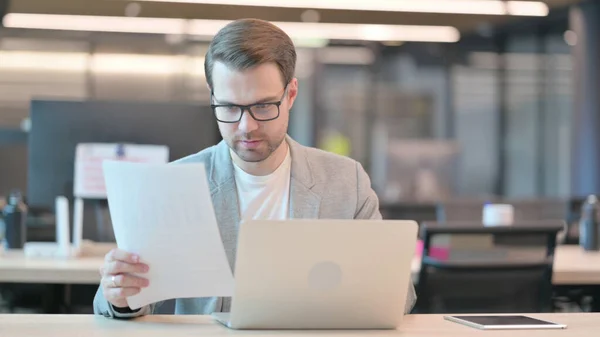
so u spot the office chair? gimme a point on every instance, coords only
(481, 273)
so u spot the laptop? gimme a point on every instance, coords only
(321, 274)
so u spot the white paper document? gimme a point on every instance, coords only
(164, 213)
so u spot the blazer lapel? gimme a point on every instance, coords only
(225, 201)
(304, 203)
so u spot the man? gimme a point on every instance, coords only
(257, 171)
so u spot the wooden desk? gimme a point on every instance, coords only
(579, 325)
(572, 266)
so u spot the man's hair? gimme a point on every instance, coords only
(246, 43)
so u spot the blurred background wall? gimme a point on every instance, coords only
(486, 115)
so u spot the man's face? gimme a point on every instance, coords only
(251, 140)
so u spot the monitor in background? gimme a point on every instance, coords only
(13, 159)
(58, 126)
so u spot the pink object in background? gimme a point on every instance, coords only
(436, 252)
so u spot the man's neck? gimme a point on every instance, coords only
(266, 166)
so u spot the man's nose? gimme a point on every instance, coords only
(247, 123)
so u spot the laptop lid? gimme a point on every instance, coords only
(322, 274)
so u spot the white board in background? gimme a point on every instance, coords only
(89, 177)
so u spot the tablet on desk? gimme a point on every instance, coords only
(504, 322)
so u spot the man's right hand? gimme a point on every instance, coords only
(118, 283)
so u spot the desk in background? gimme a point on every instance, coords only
(572, 266)
(579, 325)
(62, 284)
(16, 267)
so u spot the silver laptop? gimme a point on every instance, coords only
(321, 274)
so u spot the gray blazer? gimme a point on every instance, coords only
(322, 186)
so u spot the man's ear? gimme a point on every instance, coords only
(292, 92)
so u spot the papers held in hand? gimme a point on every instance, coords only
(164, 213)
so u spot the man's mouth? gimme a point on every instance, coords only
(250, 143)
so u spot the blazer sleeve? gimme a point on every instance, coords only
(368, 208)
(104, 308)
(367, 202)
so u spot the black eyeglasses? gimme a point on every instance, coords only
(261, 112)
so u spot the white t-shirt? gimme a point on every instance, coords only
(264, 197)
